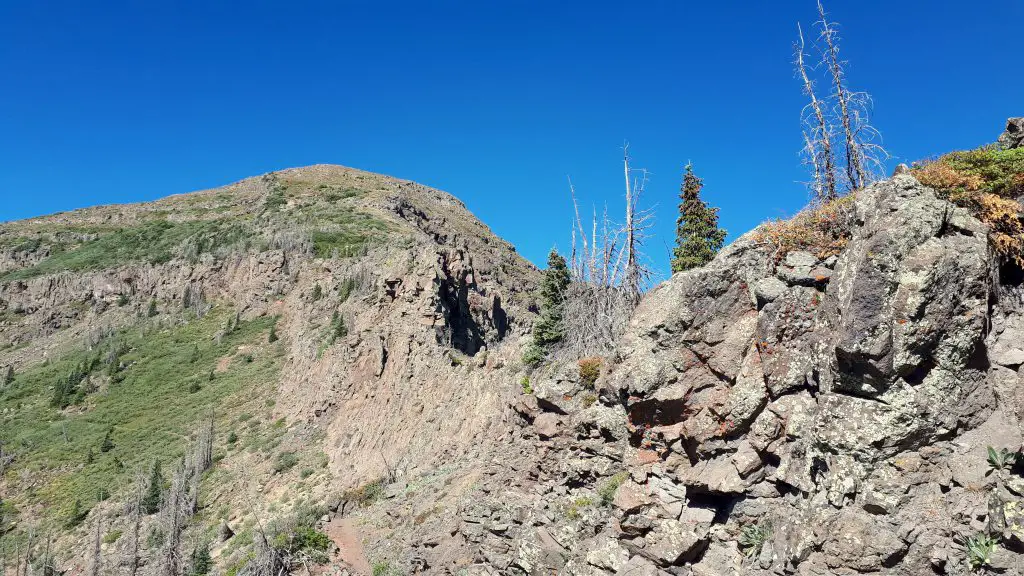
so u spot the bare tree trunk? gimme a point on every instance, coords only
(854, 168)
(28, 552)
(94, 568)
(631, 280)
(818, 137)
(133, 561)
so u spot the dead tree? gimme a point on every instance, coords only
(817, 132)
(133, 554)
(609, 274)
(173, 524)
(839, 122)
(94, 567)
(28, 552)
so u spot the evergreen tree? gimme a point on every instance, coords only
(201, 560)
(154, 492)
(548, 329)
(108, 441)
(698, 237)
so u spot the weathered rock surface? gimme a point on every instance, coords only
(811, 417)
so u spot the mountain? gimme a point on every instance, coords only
(326, 365)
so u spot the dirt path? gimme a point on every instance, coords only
(343, 532)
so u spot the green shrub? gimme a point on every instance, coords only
(272, 337)
(232, 437)
(112, 536)
(345, 289)
(76, 515)
(152, 308)
(534, 355)
(987, 181)
(607, 490)
(318, 293)
(285, 461)
(366, 494)
(525, 383)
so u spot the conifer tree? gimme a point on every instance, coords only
(548, 329)
(698, 237)
(154, 492)
(108, 441)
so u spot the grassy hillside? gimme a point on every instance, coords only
(148, 387)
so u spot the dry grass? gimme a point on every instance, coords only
(590, 369)
(823, 229)
(987, 181)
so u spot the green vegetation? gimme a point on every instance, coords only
(574, 508)
(979, 550)
(548, 328)
(147, 402)
(285, 462)
(366, 494)
(1002, 459)
(155, 242)
(525, 383)
(154, 490)
(200, 562)
(753, 537)
(318, 293)
(108, 442)
(987, 181)
(384, 568)
(112, 536)
(607, 490)
(698, 237)
(297, 535)
(345, 289)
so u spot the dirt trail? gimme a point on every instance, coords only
(343, 532)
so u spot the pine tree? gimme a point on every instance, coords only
(154, 492)
(698, 237)
(108, 441)
(201, 560)
(548, 329)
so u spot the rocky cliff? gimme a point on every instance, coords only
(847, 409)
(806, 416)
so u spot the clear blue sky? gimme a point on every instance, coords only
(495, 102)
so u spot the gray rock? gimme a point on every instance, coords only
(1013, 135)
(768, 290)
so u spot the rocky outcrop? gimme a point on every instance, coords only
(811, 417)
(1013, 136)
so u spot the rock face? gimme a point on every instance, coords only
(810, 417)
(1013, 136)
(799, 415)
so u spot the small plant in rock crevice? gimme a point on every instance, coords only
(980, 548)
(590, 370)
(1002, 459)
(753, 536)
(608, 489)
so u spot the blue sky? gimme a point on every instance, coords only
(495, 102)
